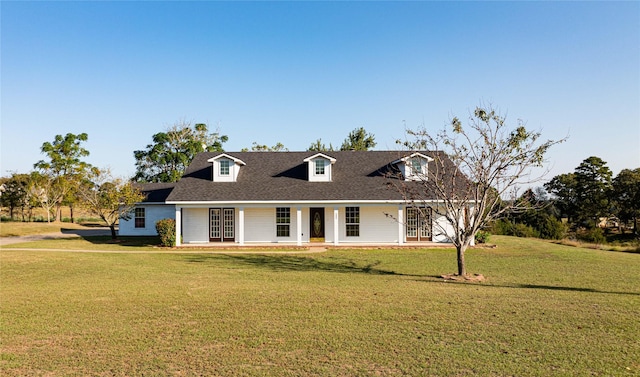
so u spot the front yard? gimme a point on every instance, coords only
(544, 309)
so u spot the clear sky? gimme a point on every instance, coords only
(293, 72)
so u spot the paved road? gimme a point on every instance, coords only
(67, 233)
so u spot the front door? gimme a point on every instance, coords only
(222, 224)
(316, 216)
(419, 224)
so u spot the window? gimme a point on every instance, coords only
(283, 219)
(224, 167)
(319, 167)
(352, 220)
(139, 218)
(416, 166)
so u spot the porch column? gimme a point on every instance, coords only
(178, 225)
(400, 225)
(241, 225)
(336, 226)
(299, 226)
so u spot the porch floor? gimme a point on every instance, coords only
(315, 246)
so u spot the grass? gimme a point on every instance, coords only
(545, 309)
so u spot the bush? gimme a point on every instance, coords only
(552, 229)
(502, 227)
(592, 235)
(482, 236)
(167, 231)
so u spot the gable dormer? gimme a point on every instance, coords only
(414, 167)
(225, 168)
(320, 166)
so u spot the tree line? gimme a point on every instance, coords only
(583, 202)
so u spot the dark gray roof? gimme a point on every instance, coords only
(282, 176)
(155, 192)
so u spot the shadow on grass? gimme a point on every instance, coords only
(546, 287)
(298, 263)
(98, 237)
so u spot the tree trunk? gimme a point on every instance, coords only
(114, 236)
(462, 269)
(71, 214)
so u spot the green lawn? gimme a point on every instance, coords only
(544, 309)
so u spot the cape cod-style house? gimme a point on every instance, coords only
(297, 198)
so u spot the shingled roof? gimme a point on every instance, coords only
(155, 192)
(283, 176)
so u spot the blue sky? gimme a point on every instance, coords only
(293, 72)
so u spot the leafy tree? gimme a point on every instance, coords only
(319, 146)
(593, 189)
(486, 162)
(166, 159)
(14, 193)
(358, 140)
(279, 147)
(626, 196)
(110, 198)
(65, 165)
(563, 188)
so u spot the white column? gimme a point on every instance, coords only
(178, 225)
(241, 225)
(299, 226)
(336, 226)
(400, 225)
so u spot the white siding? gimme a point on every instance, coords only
(195, 225)
(375, 226)
(153, 213)
(259, 224)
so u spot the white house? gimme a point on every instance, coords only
(297, 198)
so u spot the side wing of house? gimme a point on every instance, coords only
(148, 212)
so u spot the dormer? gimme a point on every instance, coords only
(319, 166)
(225, 168)
(414, 167)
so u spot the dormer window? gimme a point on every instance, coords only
(319, 167)
(418, 166)
(225, 168)
(414, 167)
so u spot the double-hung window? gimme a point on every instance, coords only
(283, 221)
(352, 221)
(139, 218)
(319, 165)
(224, 167)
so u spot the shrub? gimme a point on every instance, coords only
(552, 229)
(167, 231)
(502, 227)
(482, 236)
(592, 235)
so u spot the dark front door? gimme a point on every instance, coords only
(316, 216)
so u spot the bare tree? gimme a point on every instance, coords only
(474, 169)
